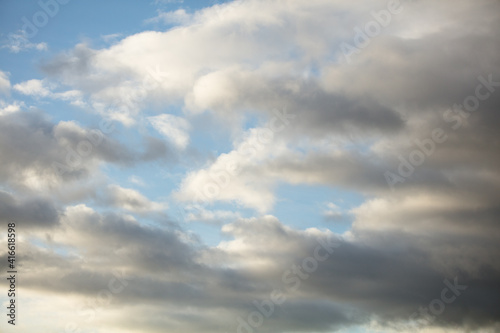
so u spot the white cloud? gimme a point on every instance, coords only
(216, 38)
(136, 180)
(174, 17)
(6, 108)
(132, 200)
(111, 38)
(4, 83)
(33, 87)
(261, 159)
(18, 42)
(198, 213)
(232, 176)
(45, 89)
(332, 212)
(173, 128)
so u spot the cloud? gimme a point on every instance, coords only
(172, 127)
(241, 73)
(6, 108)
(174, 17)
(17, 42)
(198, 213)
(33, 87)
(250, 172)
(28, 212)
(348, 125)
(136, 180)
(40, 155)
(4, 83)
(111, 38)
(211, 34)
(363, 280)
(333, 212)
(226, 180)
(44, 88)
(131, 200)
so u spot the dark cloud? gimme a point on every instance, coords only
(386, 275)
(28, 212)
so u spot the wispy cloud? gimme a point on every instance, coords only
(17, 42)
(173, 128)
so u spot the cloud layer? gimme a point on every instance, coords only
(409, 122)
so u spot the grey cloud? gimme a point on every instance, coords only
(439, 224)
(31, 144)
(28, 212)
(389, 275)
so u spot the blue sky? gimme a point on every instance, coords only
(245, 135)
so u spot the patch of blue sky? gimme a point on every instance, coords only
(21, 66)
(304, 206)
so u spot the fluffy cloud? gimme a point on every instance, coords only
(333, 99)
(6, 108)
(213, 42)
(224, 179)
(33, 87)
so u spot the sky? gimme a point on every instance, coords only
(245, 166)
